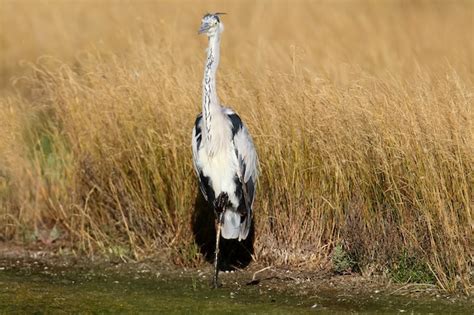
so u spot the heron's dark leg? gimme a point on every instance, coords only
(220, 204)
(216, 253)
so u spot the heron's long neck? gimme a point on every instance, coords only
(210, 103)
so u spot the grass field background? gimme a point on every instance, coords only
(361, 111)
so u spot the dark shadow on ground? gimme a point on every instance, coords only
(234, 254)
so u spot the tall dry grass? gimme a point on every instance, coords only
(361, 113)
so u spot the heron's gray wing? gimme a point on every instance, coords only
(196, 140)
(206, 190)
(246, 154)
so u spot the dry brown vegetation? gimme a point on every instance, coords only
(362, 114)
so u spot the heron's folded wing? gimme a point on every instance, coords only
(196, 145)
(246, 154)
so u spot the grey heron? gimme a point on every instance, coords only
(224, 155)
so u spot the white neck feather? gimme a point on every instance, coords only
(209, 81)
(210, 103)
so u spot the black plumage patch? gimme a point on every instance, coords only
(198, 130)
(250, 189)
(214, 15)
(236, 123)
(206, 188)
(239, 193)
(238, 188)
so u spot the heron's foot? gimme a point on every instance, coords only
(221, 202)
(215, 284)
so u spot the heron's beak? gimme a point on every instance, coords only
(204, 28)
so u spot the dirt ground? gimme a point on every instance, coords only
(351, 289)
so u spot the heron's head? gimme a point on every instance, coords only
(211, 24)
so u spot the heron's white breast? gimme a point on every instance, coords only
(221, 169)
